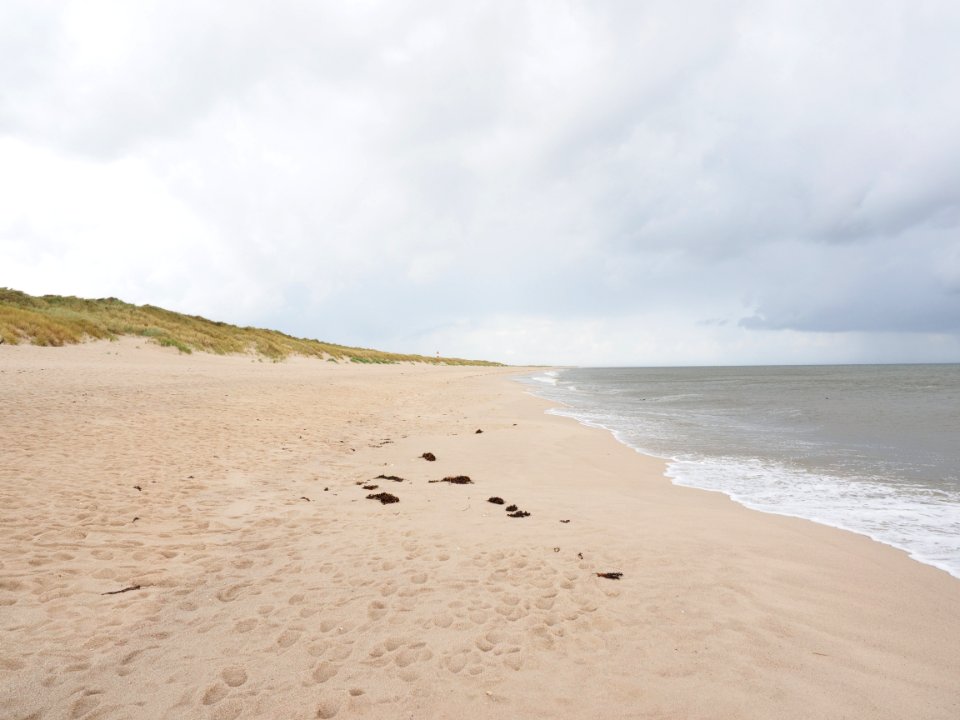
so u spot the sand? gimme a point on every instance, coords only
(268, 586)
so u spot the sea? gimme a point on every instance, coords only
(874, 449)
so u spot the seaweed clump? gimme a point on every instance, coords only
(495, 500)
(383, 497)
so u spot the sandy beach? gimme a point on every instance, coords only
(189, 537)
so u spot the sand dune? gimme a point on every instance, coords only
(229, 493)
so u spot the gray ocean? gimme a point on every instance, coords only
(870, 448)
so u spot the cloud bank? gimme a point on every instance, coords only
(562, 182)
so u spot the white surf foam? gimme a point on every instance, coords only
(922, 521)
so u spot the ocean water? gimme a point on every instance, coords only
(870, 448)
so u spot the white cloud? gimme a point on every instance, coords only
(501, 179)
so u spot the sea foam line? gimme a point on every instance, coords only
(926, 529)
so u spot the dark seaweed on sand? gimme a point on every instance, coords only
(370, 487)
(510, 508)
(383, 497)
(519, 513)
(495, 500)
(610, 575)
(389, 477)
(456, 480)
(429, 456)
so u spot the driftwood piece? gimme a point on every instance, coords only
(121, 590)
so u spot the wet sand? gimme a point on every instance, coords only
(228, 493)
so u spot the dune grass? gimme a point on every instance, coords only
(62, 320)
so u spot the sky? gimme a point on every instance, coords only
(557, 182)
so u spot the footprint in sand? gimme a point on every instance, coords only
(456, 663)
(376, 610)
(86, 704)
(214, 694)
(408, 675)
(247, 625)
(229, 594)
(511, 613)
(227, 710)
(324, 671)
(392, 643)
(514, 661)
(133, 656)
(328, 708)
(234, 676)
(483, 643)
(408, 656)
(288, 637)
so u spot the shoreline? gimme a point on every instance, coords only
(261, 593)
(795, 516)
(565, 410)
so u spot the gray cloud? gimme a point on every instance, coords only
(378, 174)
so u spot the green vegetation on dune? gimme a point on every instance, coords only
(58, 320)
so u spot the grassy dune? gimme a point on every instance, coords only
(58, 320)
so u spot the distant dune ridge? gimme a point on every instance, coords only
(65, 320)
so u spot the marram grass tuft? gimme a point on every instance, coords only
(61, 320)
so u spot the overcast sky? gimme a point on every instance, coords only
(636, 182)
